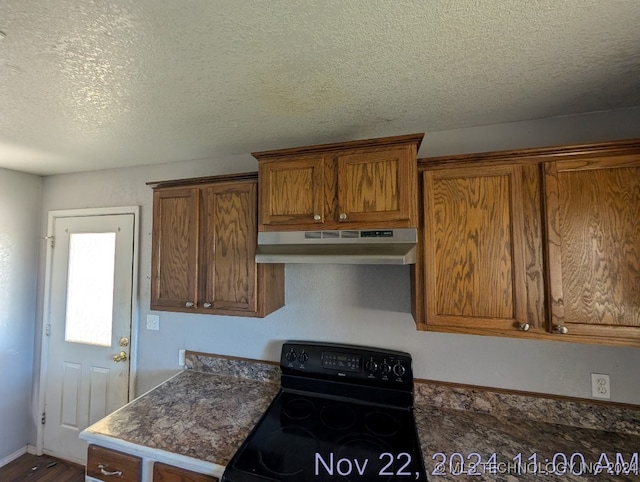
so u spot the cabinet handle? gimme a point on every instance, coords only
(317, 217)
(343, 216)
(524, 326)
(563, 330)
(115, 473)
(207, 305)
(189, 304)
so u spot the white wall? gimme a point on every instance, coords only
(363, 304)
(20, 198)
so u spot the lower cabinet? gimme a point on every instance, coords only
(169, 473)
(107, 465)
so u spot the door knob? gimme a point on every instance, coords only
(122, 356)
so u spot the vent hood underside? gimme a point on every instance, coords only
(378, 246)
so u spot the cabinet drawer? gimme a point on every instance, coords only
(110, 465)
(168, 473)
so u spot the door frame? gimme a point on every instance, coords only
(46, 310)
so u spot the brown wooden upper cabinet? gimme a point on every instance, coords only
(539, 243)
(203, 251)
(351, 185)
(593, 225)
(478, 224)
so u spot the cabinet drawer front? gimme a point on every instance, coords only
(168, 473)
(110, 465)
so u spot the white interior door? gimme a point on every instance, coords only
(89, 328)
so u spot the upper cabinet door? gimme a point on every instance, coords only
(292, 191)
(593, 226)
(474, 256)
(229, 247)
(175, 249)
(375, 185)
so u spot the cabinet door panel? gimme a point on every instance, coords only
(473, 249)
(229, 246)
(175, 235)
(374, 186)
(593, 219)
(291, 192)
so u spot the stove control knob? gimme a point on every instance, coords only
(291, 355)
(371, 366)
(399, 370)
(303, 357)
(385, 368)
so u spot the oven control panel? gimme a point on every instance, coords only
(346, 362)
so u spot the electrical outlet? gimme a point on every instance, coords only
(600, 387)
(153, 322)
(181, 358)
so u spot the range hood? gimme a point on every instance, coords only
(371, 246)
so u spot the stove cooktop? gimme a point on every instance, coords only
(306, 436)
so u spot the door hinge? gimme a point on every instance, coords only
(52, 240)
(43, 419)
(47, 329)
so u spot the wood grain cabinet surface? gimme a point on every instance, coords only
(480, 247)
(203, 253)
(110, 465)
(351, 185)
(540, 243)
(169, 473)
(593, 224)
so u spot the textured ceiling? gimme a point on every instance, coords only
(91, 84)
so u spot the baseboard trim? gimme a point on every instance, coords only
(13, 456)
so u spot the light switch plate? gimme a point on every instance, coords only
(181, 358)
(153, 322)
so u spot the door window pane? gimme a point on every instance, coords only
(90, 288)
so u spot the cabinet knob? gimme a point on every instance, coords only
(317, 217)
(207, 305)
(524, 326)
(343, 216)
(189, 304)
(563, 330)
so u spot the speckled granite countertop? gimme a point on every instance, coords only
(205, 416)
(194, 414)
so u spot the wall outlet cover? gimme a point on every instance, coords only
(600, 385)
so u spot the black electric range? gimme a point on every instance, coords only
(343, 413)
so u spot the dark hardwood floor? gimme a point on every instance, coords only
(43, 468)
